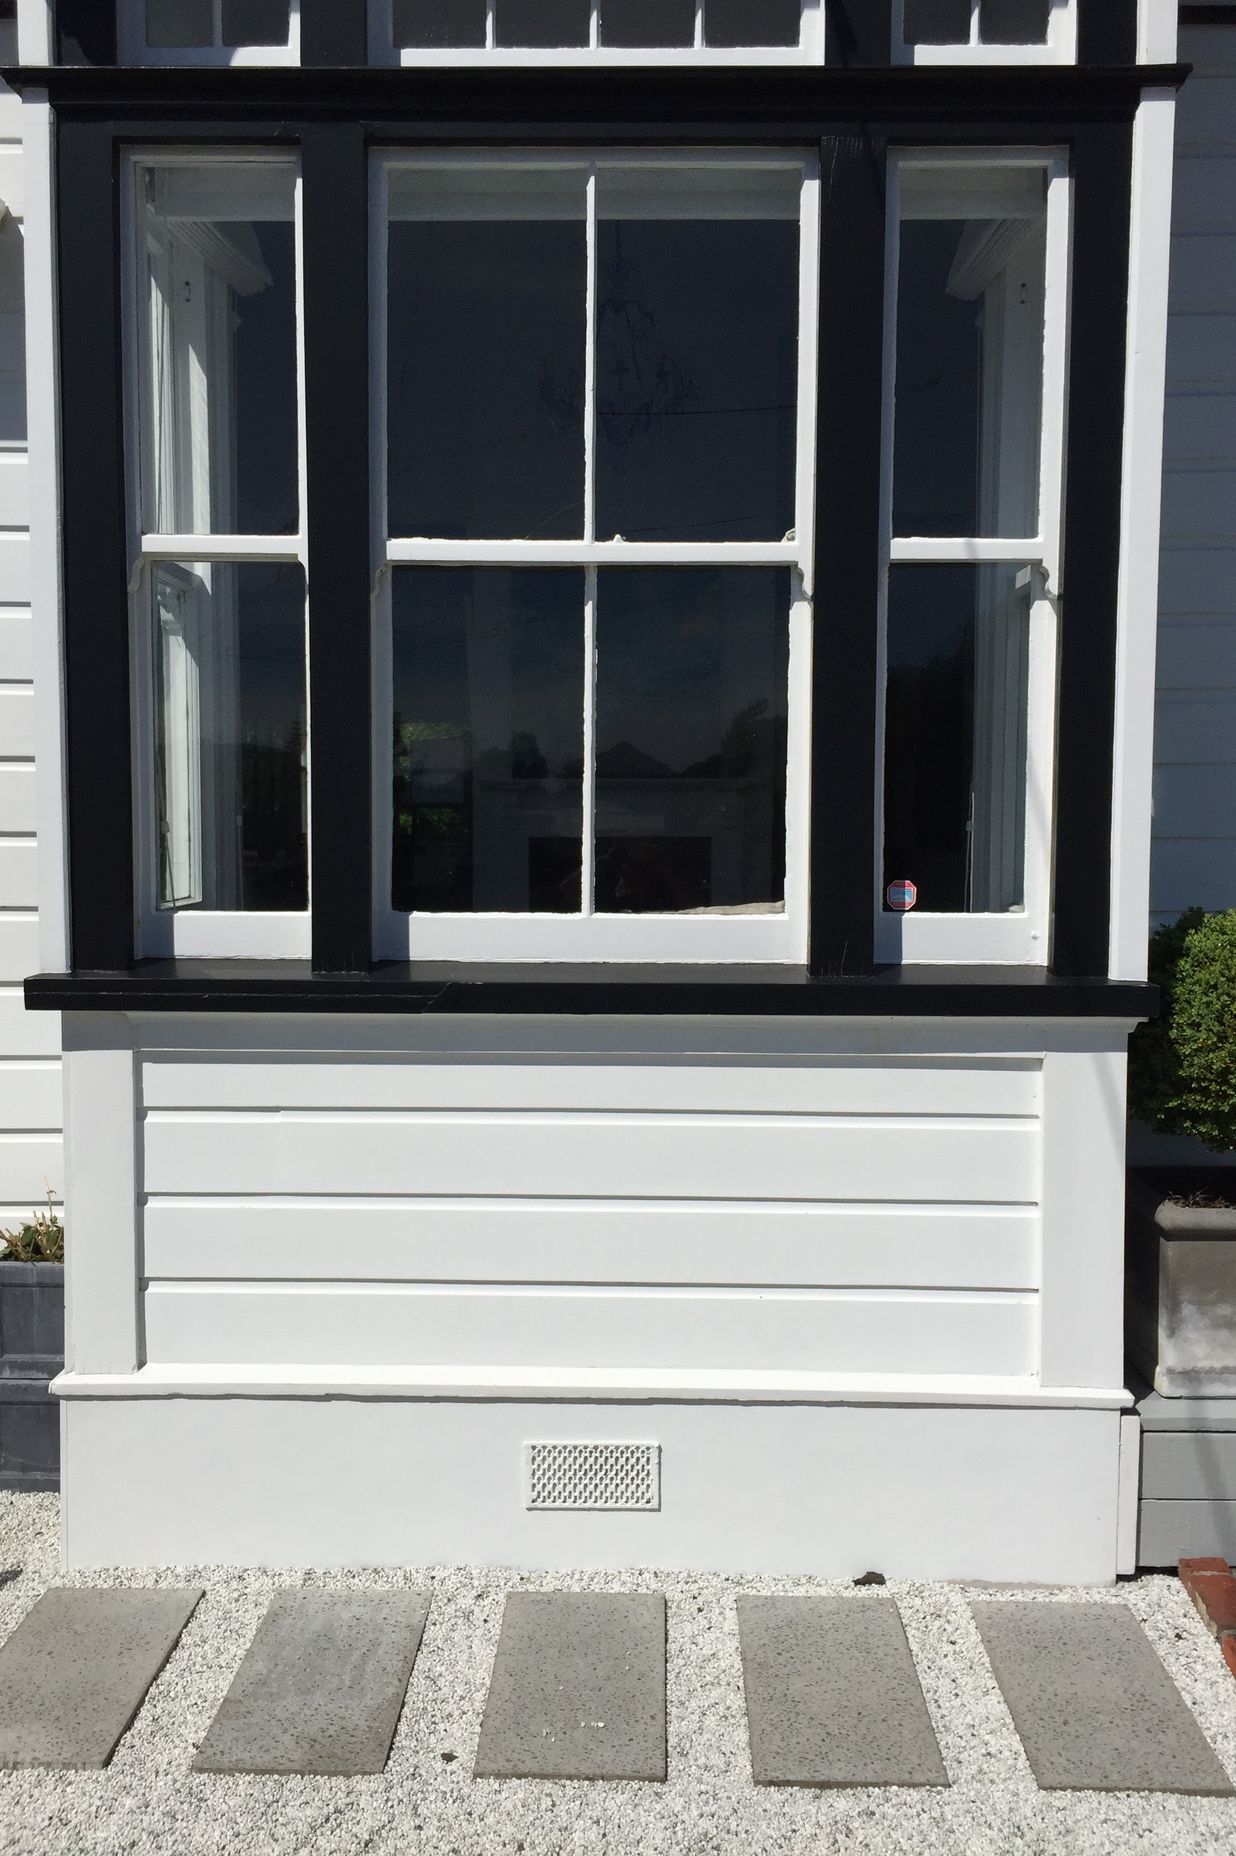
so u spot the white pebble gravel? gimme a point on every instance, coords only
(428, 1804)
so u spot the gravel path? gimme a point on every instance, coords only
(427, 1803)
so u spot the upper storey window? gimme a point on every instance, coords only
(985, 31)
(210, 31)
(615, 31)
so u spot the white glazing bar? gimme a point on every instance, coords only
(1055, 365)
(892, 285)
(588, 862)
(699, 25)
(808, 367)
(555, 553)
(220, 548)
(590, 364)
(491, 24)
(594, 25)
(983, 548)
(975, 22)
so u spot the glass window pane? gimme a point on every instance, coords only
(752, 22)
(255, 22)
(697, 357)
(955, 737)
(12, 333)
(1014, 22)
(489, 734)
(230, 736)
(486, 354)
(179, 24)
(219, 428)
(970, 320)
(936, 22)
(439, 25)
(647, 22)
(692, 673)
(542, 22)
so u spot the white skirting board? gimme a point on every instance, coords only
(913, 1492)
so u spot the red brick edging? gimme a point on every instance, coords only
(1211, 1584)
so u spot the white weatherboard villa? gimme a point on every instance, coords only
(582, 578)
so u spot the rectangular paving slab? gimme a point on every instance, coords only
(321, 1687)
(1095, 1708)
(833, 1697)
(76, 1670)
(578, 1689)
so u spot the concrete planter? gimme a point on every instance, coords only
(1181, 1285)
(31, 1354)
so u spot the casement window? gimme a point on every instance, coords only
(594, 450)
(218, 558)
(203, 32)
(985, 31)
(426, 32)
(978, 270)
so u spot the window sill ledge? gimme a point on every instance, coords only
(654, 991)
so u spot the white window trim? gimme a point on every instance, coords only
(590, 937)
(193, 933)
(384, 51)
(1020, 937)
(133, 48)
(1060, 46)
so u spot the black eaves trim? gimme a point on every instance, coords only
(234, 986)
(1208, 15)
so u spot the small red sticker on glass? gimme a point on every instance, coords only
(902, 896)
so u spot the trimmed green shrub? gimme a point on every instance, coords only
(1182, 1074)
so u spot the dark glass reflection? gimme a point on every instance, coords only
(229, 665)
(542, 22)
(648, 22)
(180, 25)
(13, 429)
(936, 22)
(697, 355)
(955, 737)
(265, 409)
(1014, 22)
(255, 22)
(486, 378)
(692, 673)
(440, 25)
(752, 22)
(488, 792)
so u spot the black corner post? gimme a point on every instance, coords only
(334, 33)
(94, 550)
(334, 160)
(849, 434)
(1102, 193)
(858, 33)
(1106, 32)
(86, 31)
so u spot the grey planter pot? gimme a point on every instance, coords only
(31, 1354)
(1181, 1288)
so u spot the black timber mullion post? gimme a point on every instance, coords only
(1102, 165)
(94, 551)
(1107, 32)
(335, 177)
(334, 33)
(849, 435)
(858, 32)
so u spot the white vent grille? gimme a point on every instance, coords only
(609, 1477)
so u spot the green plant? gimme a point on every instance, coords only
(1182, 1076)
(40, 1241)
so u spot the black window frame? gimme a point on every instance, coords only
(854, 118)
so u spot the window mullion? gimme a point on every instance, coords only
(590, 364)
(588, 863)
(491, 24)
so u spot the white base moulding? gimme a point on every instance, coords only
(922, 1492)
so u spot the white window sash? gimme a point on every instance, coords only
(1020, 937)
(133, 48)
(594, 55)
(588, 936)
(1060, 46)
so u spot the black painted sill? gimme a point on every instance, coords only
(581, 991)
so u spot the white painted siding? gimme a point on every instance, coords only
(1195, 744)
(850, 1214)
(30, 1089)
